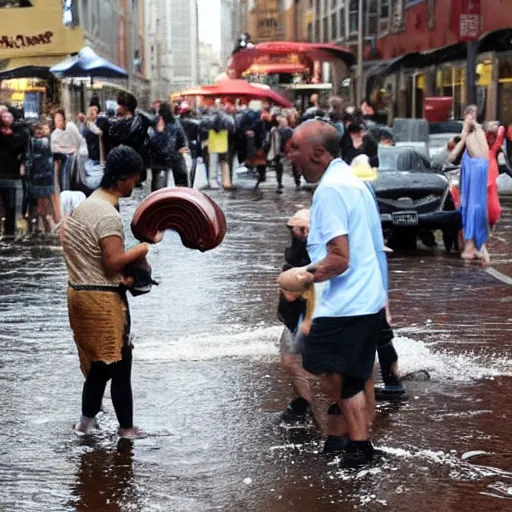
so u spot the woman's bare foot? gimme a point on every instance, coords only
(85, 425)
(469, 255)
(131, 433)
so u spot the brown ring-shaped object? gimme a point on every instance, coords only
(199, 221)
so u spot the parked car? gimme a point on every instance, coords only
(414, 199)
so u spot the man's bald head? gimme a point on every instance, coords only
(314, 145)
(323, 134)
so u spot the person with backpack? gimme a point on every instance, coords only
(167, 144)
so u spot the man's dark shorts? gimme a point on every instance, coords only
(343, 345)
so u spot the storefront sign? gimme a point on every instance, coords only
(38, 30)
(470, 20)
(25, 41)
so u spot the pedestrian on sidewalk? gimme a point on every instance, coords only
(66, 142)
(473, 186)
(39, 168)
(346, 247)
(93, 243)
(13, 142)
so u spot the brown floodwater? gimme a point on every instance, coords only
(208, 388)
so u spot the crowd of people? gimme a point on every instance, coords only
(43, 159)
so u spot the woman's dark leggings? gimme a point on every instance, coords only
(120, 388)
(278, 165)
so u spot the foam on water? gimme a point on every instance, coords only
(447, 364)
(262, 342)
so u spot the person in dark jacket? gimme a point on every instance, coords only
(251, 137)
(131, 127)
(167, 145)
(12, 148)
(192, 129)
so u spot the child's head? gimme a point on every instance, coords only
(299, 224)
(38, 131)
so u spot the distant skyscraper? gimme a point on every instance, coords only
(230, 27)
(184, 43)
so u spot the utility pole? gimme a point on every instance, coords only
(360, 40)
(471, 73)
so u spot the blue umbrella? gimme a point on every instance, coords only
(87, 63)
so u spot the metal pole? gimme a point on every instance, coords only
(471, 73)
(360, 39)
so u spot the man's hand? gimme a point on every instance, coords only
(23, 171)
(296, 280)
(185, 150)
(160, 126)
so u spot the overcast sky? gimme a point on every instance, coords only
(209, 22)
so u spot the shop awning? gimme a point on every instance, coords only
(28, 67)
(497, 41)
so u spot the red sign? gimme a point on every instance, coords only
(470, 25)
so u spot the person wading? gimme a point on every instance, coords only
(93, 243)
(473, 186)
(346, 247)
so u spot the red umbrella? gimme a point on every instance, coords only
(242, 88)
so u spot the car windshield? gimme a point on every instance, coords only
(402, 159)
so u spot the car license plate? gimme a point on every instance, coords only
(405, 219)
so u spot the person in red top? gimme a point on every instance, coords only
(495, 139)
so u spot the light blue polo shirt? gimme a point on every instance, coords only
(343, 205)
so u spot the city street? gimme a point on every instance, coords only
(208, 388)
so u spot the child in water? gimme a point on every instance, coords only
(294, 313)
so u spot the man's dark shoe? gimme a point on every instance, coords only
(396, 392)
(291, 417)
(357, 453)
(335, 444)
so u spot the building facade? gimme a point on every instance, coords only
(231, 27)
(116, 30)
(209, 64)
(421, 43)
(158, 48)
(184, 44)
(34, 35)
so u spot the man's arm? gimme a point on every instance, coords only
(334, 264)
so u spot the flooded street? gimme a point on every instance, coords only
(208, 387)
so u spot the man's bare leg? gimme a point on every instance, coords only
(355, 410)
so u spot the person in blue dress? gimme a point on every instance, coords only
(473, 186)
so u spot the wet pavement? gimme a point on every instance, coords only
(208, 388)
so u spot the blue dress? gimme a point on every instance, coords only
(473, 199)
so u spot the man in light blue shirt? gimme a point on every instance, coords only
(346, 246)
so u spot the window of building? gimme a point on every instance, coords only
(372, 18)
(310, 32)
(334, 26)
(384, 8)
(317, 31)
(326, 29)
(353, 16)
(15, 3)
(334, 3)
(341, 24)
